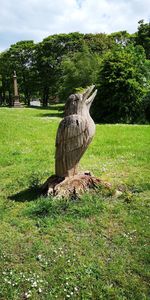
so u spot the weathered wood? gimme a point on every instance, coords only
(75, 133)
(72, 186)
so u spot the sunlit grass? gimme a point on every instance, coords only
(93, 248)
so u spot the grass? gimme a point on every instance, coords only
(93, 248)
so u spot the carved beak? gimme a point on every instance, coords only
(88, 100)
(87, 92)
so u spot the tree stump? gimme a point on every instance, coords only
(73, 186)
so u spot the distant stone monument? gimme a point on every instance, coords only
(16, 102)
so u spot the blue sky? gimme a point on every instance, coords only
(36, 19)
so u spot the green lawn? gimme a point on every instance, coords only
(92, 248)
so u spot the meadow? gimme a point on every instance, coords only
(92, 248)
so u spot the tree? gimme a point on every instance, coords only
(79, 71)
(21, 59)
(6, 73)
(143, 37)
(49, 55)
(99, 43)
(122, 84)
(122, 38)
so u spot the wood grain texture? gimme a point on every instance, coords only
(74, 134)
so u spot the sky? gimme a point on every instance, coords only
(37, 19)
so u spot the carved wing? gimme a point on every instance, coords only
(71, 142)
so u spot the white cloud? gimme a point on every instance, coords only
(36, 19)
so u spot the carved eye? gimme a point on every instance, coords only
(76, 99)
(74, 102)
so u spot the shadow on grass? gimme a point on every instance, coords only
(46, 208)
(139, 188)
(28, 195)
(55, 110)
(58, 107)
(50, 115)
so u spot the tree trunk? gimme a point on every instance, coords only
(28, 100)
(10, 99)
(45, 96)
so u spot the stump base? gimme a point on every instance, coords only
(73, 186)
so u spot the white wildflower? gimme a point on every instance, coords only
(34, 284)
(27, 294)
(39, 257)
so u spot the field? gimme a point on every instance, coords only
(89, 249)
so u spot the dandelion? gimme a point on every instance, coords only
(40, 290)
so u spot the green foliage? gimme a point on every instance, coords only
(123, 80)
(39, 67)
(99, 43)
(122, 38)
(143, 37)
(94, 248)
(6, 79)
(49, 55)
(65, 63)
(79, 71)
(20, 57)
(146, 106)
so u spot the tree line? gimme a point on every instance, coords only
(118, 63)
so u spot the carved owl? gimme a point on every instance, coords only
(74, 133)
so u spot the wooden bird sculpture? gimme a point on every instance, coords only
(75, 133)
